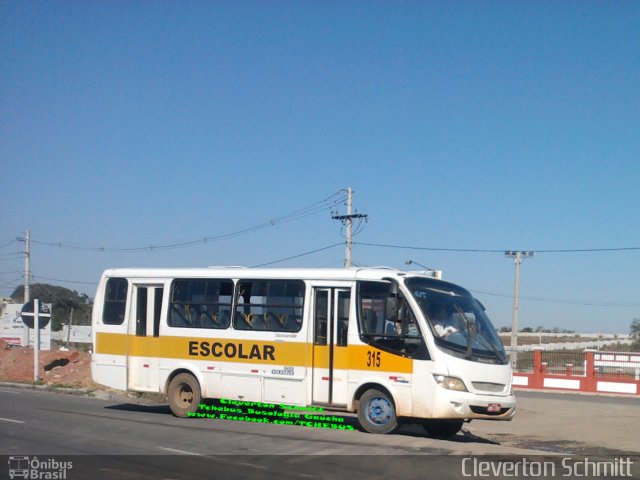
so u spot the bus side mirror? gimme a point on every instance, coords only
(393, 287)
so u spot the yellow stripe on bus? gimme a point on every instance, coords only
(366, 357)
(355, 357)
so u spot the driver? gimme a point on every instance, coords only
(443, 322)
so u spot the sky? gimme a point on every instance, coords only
(459, 125)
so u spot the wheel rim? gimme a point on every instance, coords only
(379, 411)
(185, 395)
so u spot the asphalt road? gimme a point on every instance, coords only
(146, 441)
(569, 423)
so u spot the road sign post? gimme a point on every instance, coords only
(36, 315)
(36, 347)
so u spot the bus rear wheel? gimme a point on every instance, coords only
(184, 395)
(377, 413)
(441, 428)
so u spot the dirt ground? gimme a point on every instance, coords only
(60, 368)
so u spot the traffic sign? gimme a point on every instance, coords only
(44, 314)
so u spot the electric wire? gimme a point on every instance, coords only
(6, 244)
(317, 207)
(9, 254)
(496, 250)
(298, 255)
(63, 280)
(10, 282)
(614, 304)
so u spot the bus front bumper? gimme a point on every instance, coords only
(455, 404)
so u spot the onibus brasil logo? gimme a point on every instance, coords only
(35, 469)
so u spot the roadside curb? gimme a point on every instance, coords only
(572, 392)
(48, 388)
(97, 393)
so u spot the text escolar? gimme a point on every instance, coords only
(231, 350)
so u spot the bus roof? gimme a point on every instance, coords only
(258, 273)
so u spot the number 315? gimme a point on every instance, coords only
(373, 359)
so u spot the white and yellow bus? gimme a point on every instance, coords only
(371, 340)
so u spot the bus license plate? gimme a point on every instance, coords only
(494, 408)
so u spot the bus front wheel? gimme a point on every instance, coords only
(377, 413)
(184, 395)
(441, 428)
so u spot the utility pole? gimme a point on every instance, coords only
(27, 268)
(517, 256)
(69, 327)
(347, 254)
(347, 220)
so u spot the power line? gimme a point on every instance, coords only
(312, 209)
(6, 244)
(496, 250)
(12, 281)
(614, 304)
(63, 280)
(57, 297)
(297, 256)
(408, 247)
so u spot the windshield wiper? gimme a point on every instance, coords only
(468, 330)
(498, 353)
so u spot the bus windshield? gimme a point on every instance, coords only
(457, 320)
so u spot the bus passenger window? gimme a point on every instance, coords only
(321, 318)
(269, 305)
(344, 301)
(200, 303)
(141, 312)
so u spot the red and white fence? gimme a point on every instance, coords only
(588, 371)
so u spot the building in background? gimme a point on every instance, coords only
(15, 332)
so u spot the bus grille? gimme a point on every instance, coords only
(488, 387)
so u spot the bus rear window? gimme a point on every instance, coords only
(115, 300)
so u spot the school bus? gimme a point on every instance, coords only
(365, 340)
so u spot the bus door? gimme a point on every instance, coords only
(330, 359)
(144, 330)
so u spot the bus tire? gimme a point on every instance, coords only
(377, 413)
(184, 395)
(442, 428)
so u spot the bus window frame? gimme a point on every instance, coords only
(236, 305)
(421, 352)
(171, 302)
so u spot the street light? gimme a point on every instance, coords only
(517, 256)
(434, 273)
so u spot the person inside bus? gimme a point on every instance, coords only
(391, 323)
(443, 321)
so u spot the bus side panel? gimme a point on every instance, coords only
(368, 364)
(277, 380)
(424, 387)
(290, 391)
(109, 359)
(109, 370)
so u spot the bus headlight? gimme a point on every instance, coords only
(450, 383)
